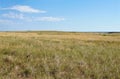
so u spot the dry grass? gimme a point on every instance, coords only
(79, 36)
(59, 55)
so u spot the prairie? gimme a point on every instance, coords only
(59, 55)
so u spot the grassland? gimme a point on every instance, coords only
(59, 55)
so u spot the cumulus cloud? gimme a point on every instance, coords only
(13, 15)
(24, 9)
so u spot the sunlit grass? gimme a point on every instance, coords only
(59, 55)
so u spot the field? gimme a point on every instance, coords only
(59, 55)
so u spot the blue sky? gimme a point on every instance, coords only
(60, 15)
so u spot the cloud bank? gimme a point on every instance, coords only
(24, 9)
(21, 15)
(50, 19)
(13, 15)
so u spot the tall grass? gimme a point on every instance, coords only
(52, 56)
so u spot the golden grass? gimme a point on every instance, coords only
(59, 55)
(78, 36)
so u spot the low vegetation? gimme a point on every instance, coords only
(59, 55)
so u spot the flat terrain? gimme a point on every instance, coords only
(59, 55)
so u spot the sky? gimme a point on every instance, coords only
(60, 15)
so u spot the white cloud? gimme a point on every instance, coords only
(43, 19)
(13, 15)
(24, 8)
(20, 16)
(9, 22)
(49, 19)
(28, 9)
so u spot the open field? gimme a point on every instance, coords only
(59, 55)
